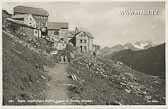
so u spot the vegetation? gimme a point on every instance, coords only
(104, 83)
(150, 61)
(23, 73)
(108, 83)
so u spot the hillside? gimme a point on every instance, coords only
(136, 46)
(108, 83)
(150, 61)
(105, 83)
(24, 77)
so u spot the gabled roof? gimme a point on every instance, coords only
(78, 31)
(57, 25)
(89, 34)
(19, 22)
(16, 21)
(86, 33)
(31, 10)
(19, 16)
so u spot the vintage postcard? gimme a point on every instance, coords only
(83, 53)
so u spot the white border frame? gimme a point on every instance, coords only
(88, 106)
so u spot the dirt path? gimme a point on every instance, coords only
(58, 84)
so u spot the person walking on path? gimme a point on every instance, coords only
(62, 51)
(69, 52)
(94, 57)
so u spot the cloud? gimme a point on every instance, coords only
(104, 21)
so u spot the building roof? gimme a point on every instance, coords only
(16, 21)
(6, 12)
(19, 16)
(79, 30)
(57, 25)
(89, 34)
(86, 33)
(31, 10)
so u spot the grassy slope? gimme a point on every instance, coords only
(22, 72)
(150, 61)
(109, 90)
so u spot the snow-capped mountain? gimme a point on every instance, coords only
(149, 61)
(139, 45)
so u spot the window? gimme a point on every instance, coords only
(85, 48)
(30, 18)
(85, 41)
(62, 39)
(43, 24)
(83, 35)
(56, 32)
(35, 32)
(81, 49)
(80, 41)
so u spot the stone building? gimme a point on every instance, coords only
(27, 19)
(26, 23)
(18, 27)
(83, 40)
(57, 30)
(40, 15)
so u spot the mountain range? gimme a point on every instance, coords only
(139, 45)
(150, 61)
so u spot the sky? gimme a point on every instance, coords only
(105, 21)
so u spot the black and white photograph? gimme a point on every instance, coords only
(83, 53)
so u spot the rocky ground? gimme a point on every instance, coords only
(110, 83)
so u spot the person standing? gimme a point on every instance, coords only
(69, 50)
(94, 57)
(62, 52)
